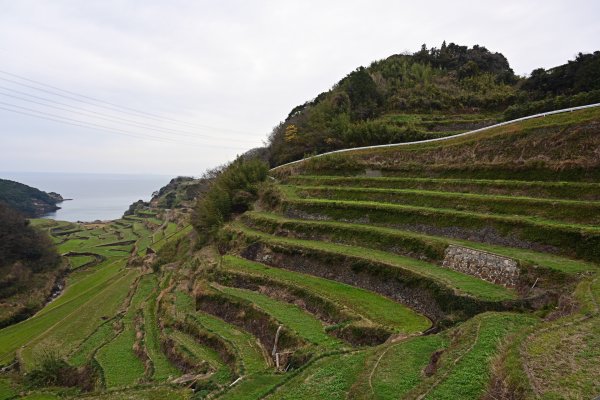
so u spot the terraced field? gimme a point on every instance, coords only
(95, 320)
(409, 272)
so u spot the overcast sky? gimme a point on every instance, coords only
(190, 84)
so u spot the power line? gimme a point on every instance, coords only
(113, 106)
(103, 116)
(67, 121)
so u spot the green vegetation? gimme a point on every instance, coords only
(121, 365)
(246, 345)
(232, 191)
(519, 151)
(461, 282)
(339, 278)
(537, 189)
(427, 94)
(396, 369)
(570, 239)
(289, 315)
(27, 200)
(29, 267)
(402, 242)
(328, 378)
(561, 358)
(162, 367)
(567, 211)
(369, 305)
(73, 329)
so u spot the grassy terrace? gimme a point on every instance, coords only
(567, 211)
(303, 324)
(162, 367)
(328, 378)
(369, 305)
(562, 358)
(83, 291)
(464, 368)
(72, 329)
(576, 240)
(246, 345)
(120, 365)
(395, 240)
(202, 353)
(460, 282)
(537, 189)
(554, 148)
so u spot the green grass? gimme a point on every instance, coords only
(7, 390)
(152, 393)
(79, 261)
(303, 324)
(450, 278)
(221, 374)
(393, 370)
(567, 211)
(73, 329)
(102, 335)
(539, 189)
(120, 364)
(551, 148)
(571, 239)
(329, 378)
(253, 387)
(563, 356)
(245, 344)
(369, 305)
(41, 396)
(163, 369)
(469, 372)
(80, 293)
(390, 239)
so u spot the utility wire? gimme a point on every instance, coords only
(194, 134)
(102, 116)
(113, 106)
(70, 121)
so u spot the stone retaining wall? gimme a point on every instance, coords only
(487, 266)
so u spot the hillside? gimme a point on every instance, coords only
(466, 268)
(374, 282)
(30, 201)
(431, 93)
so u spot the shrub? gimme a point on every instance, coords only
(233, 190)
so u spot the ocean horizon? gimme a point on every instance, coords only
(94, 196)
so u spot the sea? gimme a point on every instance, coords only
(92, 196)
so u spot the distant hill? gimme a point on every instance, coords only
(433, 92)
(28, 200)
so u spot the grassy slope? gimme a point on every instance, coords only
(566, 211)
(369, 305)
(371, 236)
(562, 358)
(291, 316)
(121, 366)
(201, 353)
(245, 344)
(460, 282)
(163, 369)
(329, 378)
(77, 294)
(538, 189)
(72, 330)
(513, 151)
